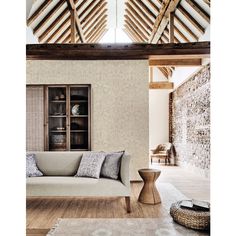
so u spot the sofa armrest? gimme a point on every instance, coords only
(124, 170)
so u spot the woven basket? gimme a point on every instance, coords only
(199, 220)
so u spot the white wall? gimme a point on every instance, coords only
(30, 37)
(158, 117)
(182, 73)
(119, 101)
(158, 113)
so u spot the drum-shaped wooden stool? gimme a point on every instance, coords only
(149, 193)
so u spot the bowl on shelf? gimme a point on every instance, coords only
(75, 110)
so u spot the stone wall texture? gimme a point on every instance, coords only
(190, 122)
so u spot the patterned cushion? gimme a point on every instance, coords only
(31, 167)
(111, 165)
(90, 165)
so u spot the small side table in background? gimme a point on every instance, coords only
(149, 193)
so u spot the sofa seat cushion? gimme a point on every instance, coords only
(75, 186)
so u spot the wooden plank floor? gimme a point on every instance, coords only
(42, 213)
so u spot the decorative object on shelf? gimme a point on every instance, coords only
(62, 97)
(190, 218)
(58, 114)
(60, 128)
(56, 98)
(58, 138)
(75, 110)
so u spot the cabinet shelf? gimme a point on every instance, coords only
(73, 116)
(75, 101)
(78, 131)
(58, 101)
(57, 116)
(57, 131)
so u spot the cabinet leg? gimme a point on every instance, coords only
(128, 207)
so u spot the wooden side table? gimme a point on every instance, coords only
(149, 193)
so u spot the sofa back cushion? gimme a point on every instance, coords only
(58, 163)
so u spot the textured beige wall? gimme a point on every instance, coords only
(119, 101)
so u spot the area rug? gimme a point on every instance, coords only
(162, 226)
(120, 227)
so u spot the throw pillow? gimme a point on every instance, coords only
(31, 167)
(90, 165)
(111, 165)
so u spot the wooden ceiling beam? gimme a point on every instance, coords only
(146, 10)
(129, 35)
(137, 37)
(164, 72)
(96, 19)
(72, 5)
(58, 31)
(80, 6)
(87, 9)
(136, 27)
(102, 34)
(171, 24)
(208, 2)
(96, 31)
(199, 10)
(162, 19)
(63, 35)
(191, 19)
(49, 16)
(161, 85)
(176, 40)
(96, 25)
(87, 20)
(165, 38)
(130, 11)
(185, 27)
(154, 6)
(166, 32)
(53, 24)
(67, 39)
(40, 10)
(117, 51)
(185, 39)
(97, 34)
(134, 19)
(73, 16)
(140, 12)
(175, 62)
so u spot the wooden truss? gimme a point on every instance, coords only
(69, 21)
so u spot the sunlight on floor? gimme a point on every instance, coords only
(189, 183)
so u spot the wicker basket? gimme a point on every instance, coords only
(199, 220)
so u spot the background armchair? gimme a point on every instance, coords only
(163, 151)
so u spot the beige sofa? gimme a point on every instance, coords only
(59, 169)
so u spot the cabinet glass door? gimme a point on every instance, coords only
(79, 98)
(57, 118)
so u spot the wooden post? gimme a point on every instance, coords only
(151, 73)
(171, 32)
(73, 29)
